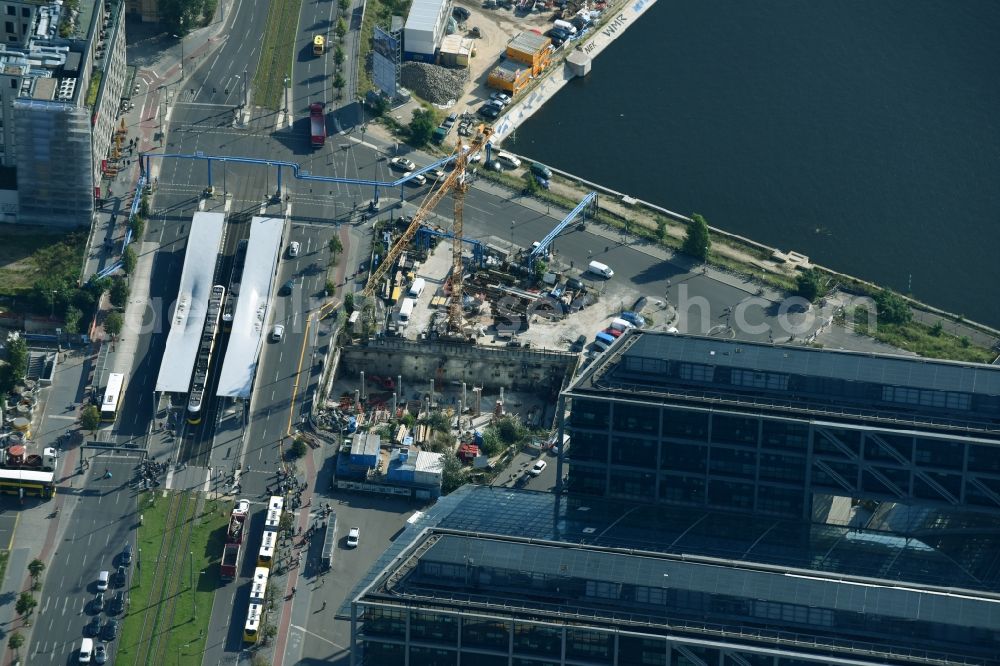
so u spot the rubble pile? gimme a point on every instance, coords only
(437, 85)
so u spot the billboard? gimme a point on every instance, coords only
(385, 61)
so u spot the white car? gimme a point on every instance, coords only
(353, 537)
(402, 164)
(277, 333)
(293, 249)
(538, 467)
(508, 160)
(475, 159)
(437, 174)
(417, 180)
(502, 98)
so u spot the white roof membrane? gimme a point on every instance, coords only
(250, 317)
(188, 318)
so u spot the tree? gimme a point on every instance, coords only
(807, 285)
(696, 240)
(937, 329)
(341, 28)
(892, 309)
(35, 569)
(71, 319)
(336, 247)
(144, 206)
(661, 228)
(540, 267)
(297, 449)
(339, 83)
(90, 418)
(344, 5)
(17, 357)
(119, 292)
(113, 324)
(330, 288)
(138, 225)
(452, 474)
(129, 260)
(15, 641)
(349, 303)
(338, 56)
(25, 605)
(421, 127)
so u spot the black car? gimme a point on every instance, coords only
(120, 576)
(287, 287)
(97, 605)
(117, 605)
(574, 283)
(461, 14)
(579, 344)
(110, 631)
(558, 36)
(127, 554)
(489, 111)
(93, 627)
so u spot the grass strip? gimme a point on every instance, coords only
(276, 53)
(29, 254)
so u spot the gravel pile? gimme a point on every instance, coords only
(437, 85)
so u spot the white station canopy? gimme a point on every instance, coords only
(188, 318)
(250, 317)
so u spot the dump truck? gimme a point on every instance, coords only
(317, 124)
(235, 535)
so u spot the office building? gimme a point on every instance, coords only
(62, 78)
(492, 576)
(782, 430)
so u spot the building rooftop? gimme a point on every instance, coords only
(528, 42)
(647, 364)
(606, 558)
(424, 14)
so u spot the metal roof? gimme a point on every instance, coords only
(250, 317)
(905, 371)
(528, 42)
(424, 14)
(188, 318)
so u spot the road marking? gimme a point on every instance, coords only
(322, 638)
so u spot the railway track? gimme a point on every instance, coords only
(162, 597)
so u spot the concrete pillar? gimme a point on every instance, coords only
(458, 422)
(394, 406)
(430, 391)
(399, 385)
(364, 393)
(357, 397)
(477, 391)
(501, 394)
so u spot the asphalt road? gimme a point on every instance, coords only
(103, 519)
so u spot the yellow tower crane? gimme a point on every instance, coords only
(457, 183)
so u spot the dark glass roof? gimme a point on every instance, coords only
(954, 549)
(902, 371)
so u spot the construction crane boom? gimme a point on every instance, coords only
(455, 181)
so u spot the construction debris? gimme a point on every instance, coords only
(437, 85)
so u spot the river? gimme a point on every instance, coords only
(865, 135)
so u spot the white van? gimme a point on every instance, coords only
(565, 25)
(417, 287)
(508, 160)
(620, 324)
(406, 309)
(102, 581)
(86, 650)
(598, 268)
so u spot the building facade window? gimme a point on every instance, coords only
(389, 622)
(632, 485)
(682, 490)
(427, 656)
(636, 419)
(433, 627)
(685, 424)
(684, 457)
(376, 653)
(741, 430)
(535, 640)
(641, 651)
(582, 644)
(591, 413)
(485, 633)
(633, 451)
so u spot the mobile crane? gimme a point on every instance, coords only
(457, 183)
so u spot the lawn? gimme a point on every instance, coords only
(186, 635)
(4, 556)
(28, 254)
(276, 53)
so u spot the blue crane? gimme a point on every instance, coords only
(543, 246)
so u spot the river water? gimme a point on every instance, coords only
(865, 135)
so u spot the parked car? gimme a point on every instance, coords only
(461, 14)
(494, 165)
(579, 343)
(97, 605)
(449, 121)
(613, 332)
(436, 174)
(277, 333)
(542, 182)
(489, 4)
(120, 576)
(102, 580)
(100, 654)
(127, 554)
(93, 627)
(633, 318)
(416, 180)
(503, 99)
(508, 160)
(540, 170)
(117, 605)
(574, 283)
(538, 467)
(558, 36)
(287, 287)
(354, 537)
(402, 164)
(110, 631)
(489, 111)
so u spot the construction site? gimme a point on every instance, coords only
(456, 347)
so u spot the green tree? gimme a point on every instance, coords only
(15, 641)
(696, 240)
(421, 127)
(90, 418)
(452, 474)
(144, 206)
(17, 357)
(129, 260)
(297, 449)
(35, 569)
(336, 247)
(113, 324)
(540, 267)
(25, 605)
(661, 228)
(339, 82)
(338, 56)
(138, 225)
(892, 308)
(341, 28)
(808, 285)
(119, 292)
(344, 5)
(330, 288)
(937, 329)
(71, 319)
(530, 184)
(349, 303)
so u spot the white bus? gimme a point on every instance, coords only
(113, 394)
(255, 619)
(258, 587)
(265, 556)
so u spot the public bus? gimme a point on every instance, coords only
(319, 45)
(272, 522)
(265, 556)
(259, 586)
(24, 482)
(255, 620)
(112, 397)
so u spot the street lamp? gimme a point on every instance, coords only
(182, 47)
(286, 82)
